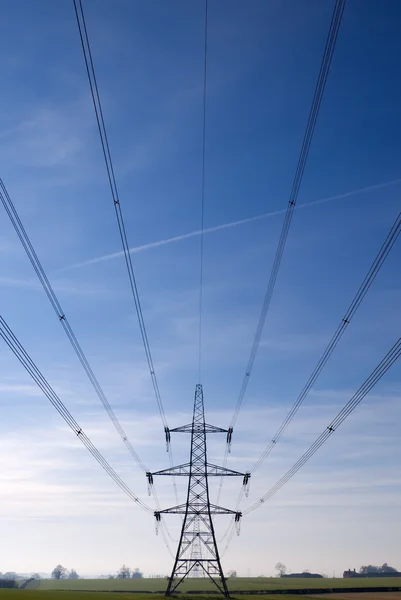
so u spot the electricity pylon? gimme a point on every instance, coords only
(196, 550)
(198, 507)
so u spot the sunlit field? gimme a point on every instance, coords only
(240, 584)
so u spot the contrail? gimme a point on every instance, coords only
(185, 236)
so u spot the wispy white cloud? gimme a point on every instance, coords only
(35, 453)
(8, 248)
(19, 388)
(49, 137)
(197, 232)
(45, 474)
(59, 286)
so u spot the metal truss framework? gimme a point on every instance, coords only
(197, 551)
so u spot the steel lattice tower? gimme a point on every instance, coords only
(197, 547)
(196, 550)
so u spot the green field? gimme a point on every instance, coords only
(88, 595)
(198, 585)
(59, 595)
(130, 589)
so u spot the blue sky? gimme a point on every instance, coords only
(264, 56)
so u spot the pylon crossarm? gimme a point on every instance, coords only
(216, 470)
(212, 471)
(197, 509)
(214, 429)
(220, 510)
(198, 427)
(175, 510)
(182, 429)
(178, 470)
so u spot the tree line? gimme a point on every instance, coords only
(61, 572)
(385, 568)
(124, 572)
(364, 570)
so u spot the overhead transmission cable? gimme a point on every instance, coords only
(90, 70)
(24, 358)
(385, 364)
(345, 321)
(230, 526)
(165, 531)
(314, 112)
(202, 195)
(306, 143)
(53, 299)
(230, 533)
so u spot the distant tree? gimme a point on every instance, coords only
(365, 569)
(59, 572)
(73, 574)
(232, 573)
(281, 569)
(111, 576)
(136, 574)
(7, 583)
(385, 568)
(124, 573)
(306, 571)
(10, 576)
(36, 576)
(373, 569)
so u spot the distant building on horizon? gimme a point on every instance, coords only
(349, 574)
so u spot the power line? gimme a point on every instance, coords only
(390, 358)
(53, 299)
(373, 271)
(230, 533)
(90, 70)
(345, 321)
(164, 531)
(202, 194)
(306, 143)
(29, 365)
(86, 49)
(227, 531)
(314, 112)
(37, 265)
(26, 361)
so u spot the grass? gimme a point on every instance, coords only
(15, 594)
(120, 589)
(239, 584)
